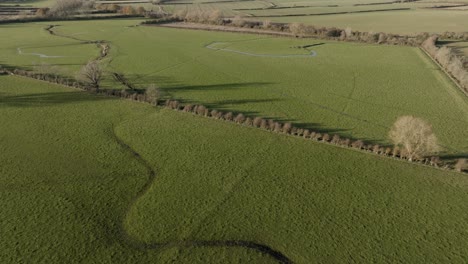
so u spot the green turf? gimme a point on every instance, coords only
(355, 90)
(67, 184)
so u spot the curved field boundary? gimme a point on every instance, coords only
(132, 242)
(213, 44)
(20, 52)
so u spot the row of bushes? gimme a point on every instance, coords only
(239, 118)
(301, 30)
(289, 129)
(456, 66)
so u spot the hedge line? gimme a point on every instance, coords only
(241, 119)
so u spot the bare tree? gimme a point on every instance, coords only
(240, 118)
(266, 24)
(357, 144)
(153, 94)
(238, 21)
(65, 8)
(415, 136)
(91, 74)
(215, 16)
(298, 29)
(461, 165)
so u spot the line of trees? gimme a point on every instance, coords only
(70, 8)
(452, 63)
(413, 138)
(302, 30)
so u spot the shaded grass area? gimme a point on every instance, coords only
(67, 184)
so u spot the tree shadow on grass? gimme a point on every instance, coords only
(48, 99)
(453, 156)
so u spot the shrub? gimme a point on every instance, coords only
(396, 151)
(277, 127)
(228, 116)
(187, 108)
(287, 128)
(271, 124)
(461, 165)
(214, 113)
(346, 142)
(388, 151)
(298, 29)
(257, 121)
(153, 94)
(201, 110)
(359, 144)
(240, 118)
(335, 139)
(326, 137)
(128, 10)
(248, 121)
(376, 149)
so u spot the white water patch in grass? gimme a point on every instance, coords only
(213, 45)
(20, 52)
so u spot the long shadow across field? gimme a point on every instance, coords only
(47, 99)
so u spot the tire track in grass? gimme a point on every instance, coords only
(212, 46)
(128, 240)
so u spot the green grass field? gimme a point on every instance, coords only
(67, 185)
(355, 90)
(420, 16)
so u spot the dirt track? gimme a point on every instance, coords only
(196, 26)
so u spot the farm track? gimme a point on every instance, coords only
(196, 26)
(151, 178)
(130, 241)
(213, 44)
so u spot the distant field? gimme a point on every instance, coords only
(406, 22)
(421, 16)
(67, 184)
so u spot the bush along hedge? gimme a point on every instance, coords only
(460, 165)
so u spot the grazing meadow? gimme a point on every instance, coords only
(354, 90)
(90, 178)
(73, 185)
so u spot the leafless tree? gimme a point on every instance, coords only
(240, 118)
(238, 21)
(266, 24)
(215, 17)
(153, 94)
(66, 8)
(461, 165)
(248, 121)
(357, 144)
(298, 29)
(91, 74)
(257, 121)
(415, 136)
(287, 128)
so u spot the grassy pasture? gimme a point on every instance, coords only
(355, 90)
(404, 22)
(67, 183)
(420, 18)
